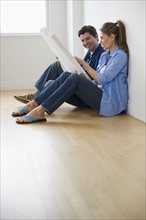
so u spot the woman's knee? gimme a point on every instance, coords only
(66, 74)
(73, 76)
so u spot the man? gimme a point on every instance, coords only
(89, 37)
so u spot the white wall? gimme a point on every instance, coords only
(132, 13)
(23, 58)
(74, 23)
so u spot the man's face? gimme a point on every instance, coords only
(89, 42)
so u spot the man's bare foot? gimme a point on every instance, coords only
(26, 109)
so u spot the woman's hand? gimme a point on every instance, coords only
(79, 60)
(83, 75)
(89, 69)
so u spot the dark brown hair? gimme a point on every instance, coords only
(88, 28)
(118, 29)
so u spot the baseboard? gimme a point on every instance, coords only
(17, 85)
(137, 110)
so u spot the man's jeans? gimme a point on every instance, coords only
(51, 73)
(71, 88)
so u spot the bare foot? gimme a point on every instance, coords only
(26, 108)
(37, 114)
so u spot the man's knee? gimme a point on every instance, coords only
(57, 64)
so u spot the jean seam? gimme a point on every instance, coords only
(57, 101)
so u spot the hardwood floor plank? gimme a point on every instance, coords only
(77, 165)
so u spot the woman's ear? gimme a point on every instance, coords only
(112, 36)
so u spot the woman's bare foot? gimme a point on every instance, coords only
(26, 109)
(36, 114)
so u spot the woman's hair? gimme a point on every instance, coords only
(118, 29)
(89, 29)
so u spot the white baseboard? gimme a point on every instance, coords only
(17, 85)
(137, 110)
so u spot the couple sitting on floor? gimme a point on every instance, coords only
(107, 92)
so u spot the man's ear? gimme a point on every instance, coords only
(96, 36)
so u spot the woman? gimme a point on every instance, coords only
(107, 93)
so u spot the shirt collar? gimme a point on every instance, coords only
(109, 55)
(91, 54)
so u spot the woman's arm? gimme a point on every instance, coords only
(89, 69)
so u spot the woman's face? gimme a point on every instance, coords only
(108, 42)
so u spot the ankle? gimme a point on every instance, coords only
(35, 94)
(41, 109)
(31, 105)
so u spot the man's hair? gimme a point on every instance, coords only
(88, 28)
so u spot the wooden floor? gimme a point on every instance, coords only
(77, 165)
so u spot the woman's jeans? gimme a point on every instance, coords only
(71, 88)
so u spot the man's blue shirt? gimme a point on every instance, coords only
(93, 59)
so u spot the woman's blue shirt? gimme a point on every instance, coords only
(113, 81)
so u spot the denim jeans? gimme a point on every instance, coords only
(51, 73)
(71, 88)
